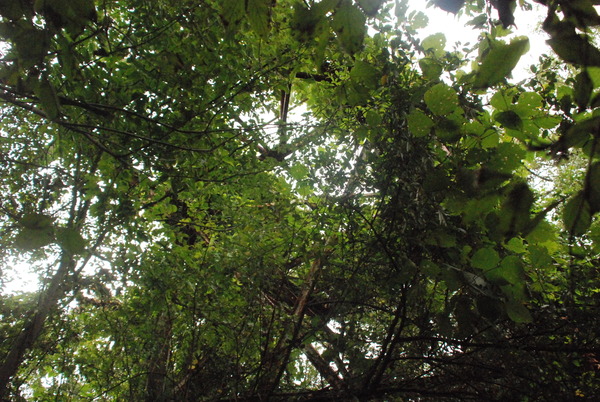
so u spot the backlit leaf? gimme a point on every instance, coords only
(349, 24)
(435, 44)
(583, 89)
(518, 312)
(452, 6)
(509, 119)
(485, 258)
(365, 74)
(441, 99)
(370, 7)
(499, 62)
(577, 215)
(48, 99)
(419, 123)
(31, 239)
(431, 68)
(575, 49)
(71, 240)
(258, 12)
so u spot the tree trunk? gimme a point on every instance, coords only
(32, 330)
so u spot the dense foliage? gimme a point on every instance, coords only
(297, 200)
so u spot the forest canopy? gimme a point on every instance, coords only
(298, 200)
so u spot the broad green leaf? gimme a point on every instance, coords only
(48, 99)
(515, 245)
(502, 99)
(419, 20)
(518, 312)
(592, 189)
(373, 118)
(509, 119)
(578, 135)
(71, 241)
(515, 212)
(430, 68)
(583, 89)
(499, 62)
(419, 123)
(448, 129)
(577, 215)
(370, 7)
(530, 100)
(452, 6)
(437, 180)
(232, 13)
(28, 239)
(506, 157)
(441, 99)
(489, 307)
(430, 268)
(539, 257)
(435, 44)
(441, 238)
(31, 44)
(298, 171)
(365, 74)
(36, 221)
(510, 270)
(485, 258)
(349, 24)
(258, 12)
(575, 49)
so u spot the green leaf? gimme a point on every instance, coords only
(435, 44)
(579, 134)
(518, 312)
(502, 99)
(577, 215)
(452, 6)
(31, 44)
(365, 74)
(48, 99)
(30, 239)
(515, 245)
(539, 256)
(530, 100)
(430, 268)
(575, 49)
(488, 307)
(509, 119)
(298, 171)
(370, 7)
(349, 24)
(592, 188)
(419, 123)
(499, 62)
(515, 211)
(510, 270)
(507, 157)
(430, 68)
(441, 99)
(485, 258)
(259, 14)
(71, 241)
(436, 180)
(583, 89)
(36, 221)
(232, 13)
